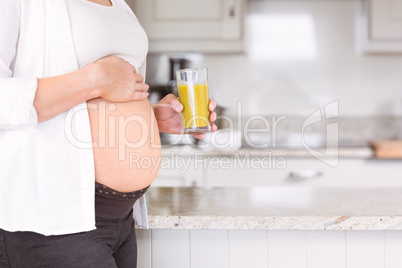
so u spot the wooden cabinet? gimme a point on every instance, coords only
(382, 26)
(192, 25)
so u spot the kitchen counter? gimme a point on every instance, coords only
(275, 208)
(342, 152)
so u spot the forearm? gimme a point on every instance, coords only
(57, 94)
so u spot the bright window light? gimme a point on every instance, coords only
(282, 37)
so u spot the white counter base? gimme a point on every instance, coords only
(269, 249)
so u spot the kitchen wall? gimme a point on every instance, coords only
(301, 55)
(308, 58)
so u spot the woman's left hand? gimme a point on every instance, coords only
(167, 112)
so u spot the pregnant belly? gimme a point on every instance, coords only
(127, 148)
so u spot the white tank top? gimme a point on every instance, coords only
(99, 31)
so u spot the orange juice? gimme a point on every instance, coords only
(195, 100)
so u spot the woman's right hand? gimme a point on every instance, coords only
(118, 81)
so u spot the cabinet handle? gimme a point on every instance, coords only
(232, 8)
(304, 175)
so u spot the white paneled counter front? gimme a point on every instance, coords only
(272, 227)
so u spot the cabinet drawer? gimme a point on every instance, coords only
(312, 173)
(181, 171)
(192, 26)
(380, 23)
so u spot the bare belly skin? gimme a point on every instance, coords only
(127, 148)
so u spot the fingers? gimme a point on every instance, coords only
(114, 57)
(199, 136)
(140, 92)
(212, 117)
(177, 106)
(138, 96)
(138, 78)
(132, 68)
(141, 87)
(173, 101)
(213, 127)
(212, 105)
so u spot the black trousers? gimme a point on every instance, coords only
(113, 244)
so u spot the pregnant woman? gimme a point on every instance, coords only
(75, 126)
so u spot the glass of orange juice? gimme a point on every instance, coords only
(194, 96)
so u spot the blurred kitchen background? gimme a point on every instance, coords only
(285, 58)
(277, 66)
(328, 75)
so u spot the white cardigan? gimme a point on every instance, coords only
(46, 170)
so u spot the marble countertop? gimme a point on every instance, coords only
(342, 152)
(275, 208)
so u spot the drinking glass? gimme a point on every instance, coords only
(194, 96)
